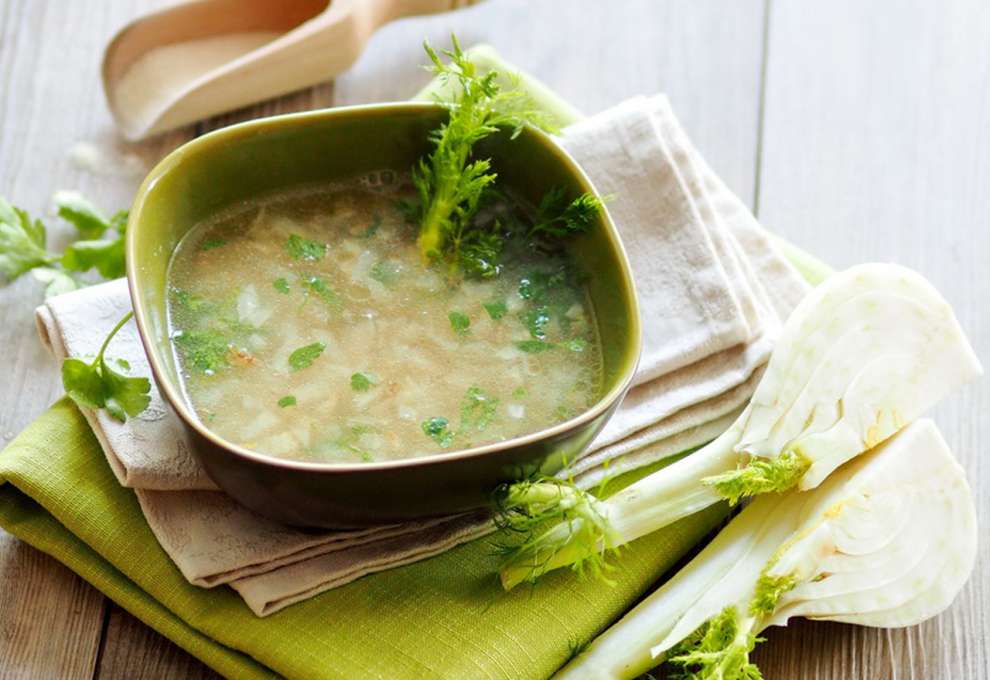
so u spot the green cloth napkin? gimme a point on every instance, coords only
(443, 617)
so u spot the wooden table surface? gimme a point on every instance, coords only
(858, 130)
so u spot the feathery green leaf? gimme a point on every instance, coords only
(760, 475)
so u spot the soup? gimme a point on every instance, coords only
(307, 326)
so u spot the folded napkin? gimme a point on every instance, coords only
(443, 617)
(710, 315)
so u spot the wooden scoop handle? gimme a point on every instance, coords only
(406, 8)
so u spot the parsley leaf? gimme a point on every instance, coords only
(305, 356)
(361, 382)
(22, 242)
(534, 346)
(106, 255)
(281, 285)
(323, 291)
(575, 344)
(96, 385)
(287, 400)
(207, 350)
(477, 410)
(56, 281)
(304, 249)
(438, 430)
(496, 310)
(194, 303)
(23, 248)
(460, 322)
(536, 320)
(74, 208)
(212, 243)
(538, 286)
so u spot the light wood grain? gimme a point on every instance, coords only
(50, 619)
(876, 146)
(132, 650)
(706, 54)
(874, 121)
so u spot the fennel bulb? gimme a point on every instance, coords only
(865, 353)
(887, 540)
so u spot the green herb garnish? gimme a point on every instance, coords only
(438, 430)
(304, 249)
(213, 243)
(206, 350)
(192, 302)
(287, 400)
(56, 281)
(104, 255)
(373, 228)
(323, 291)
(449, 182)
(538, 286)
(75, 209)
(96, 385)
(477, 410)
(360, 382)
(536, 320)
(575, 344)
(460, 322)
(348, 442)
(23, 244)
(534, 346)
(386, 272)
(281, 285)
(305, 356)
(496, 310)
(559, 218)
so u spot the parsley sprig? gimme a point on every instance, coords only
(95, 385)
(24, 247)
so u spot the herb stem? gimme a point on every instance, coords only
(106, 342)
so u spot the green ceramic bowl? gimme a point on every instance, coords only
(245, 161)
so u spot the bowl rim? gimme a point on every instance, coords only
(177, 401)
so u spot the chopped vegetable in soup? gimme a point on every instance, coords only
(308, 326)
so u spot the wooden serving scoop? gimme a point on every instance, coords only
(205, 57)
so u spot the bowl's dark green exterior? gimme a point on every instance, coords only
(247, 161)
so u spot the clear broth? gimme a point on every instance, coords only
(306, 326)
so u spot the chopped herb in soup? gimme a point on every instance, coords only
(309, 326)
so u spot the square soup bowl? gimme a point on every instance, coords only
(255, 159)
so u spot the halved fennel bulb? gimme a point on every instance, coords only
(887, 540)
(865, 353)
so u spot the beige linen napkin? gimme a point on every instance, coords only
(713, 290)
(151, 451)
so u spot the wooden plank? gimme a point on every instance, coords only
(50, 619)
(53, 101)
(875, 147)
(132, 650)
